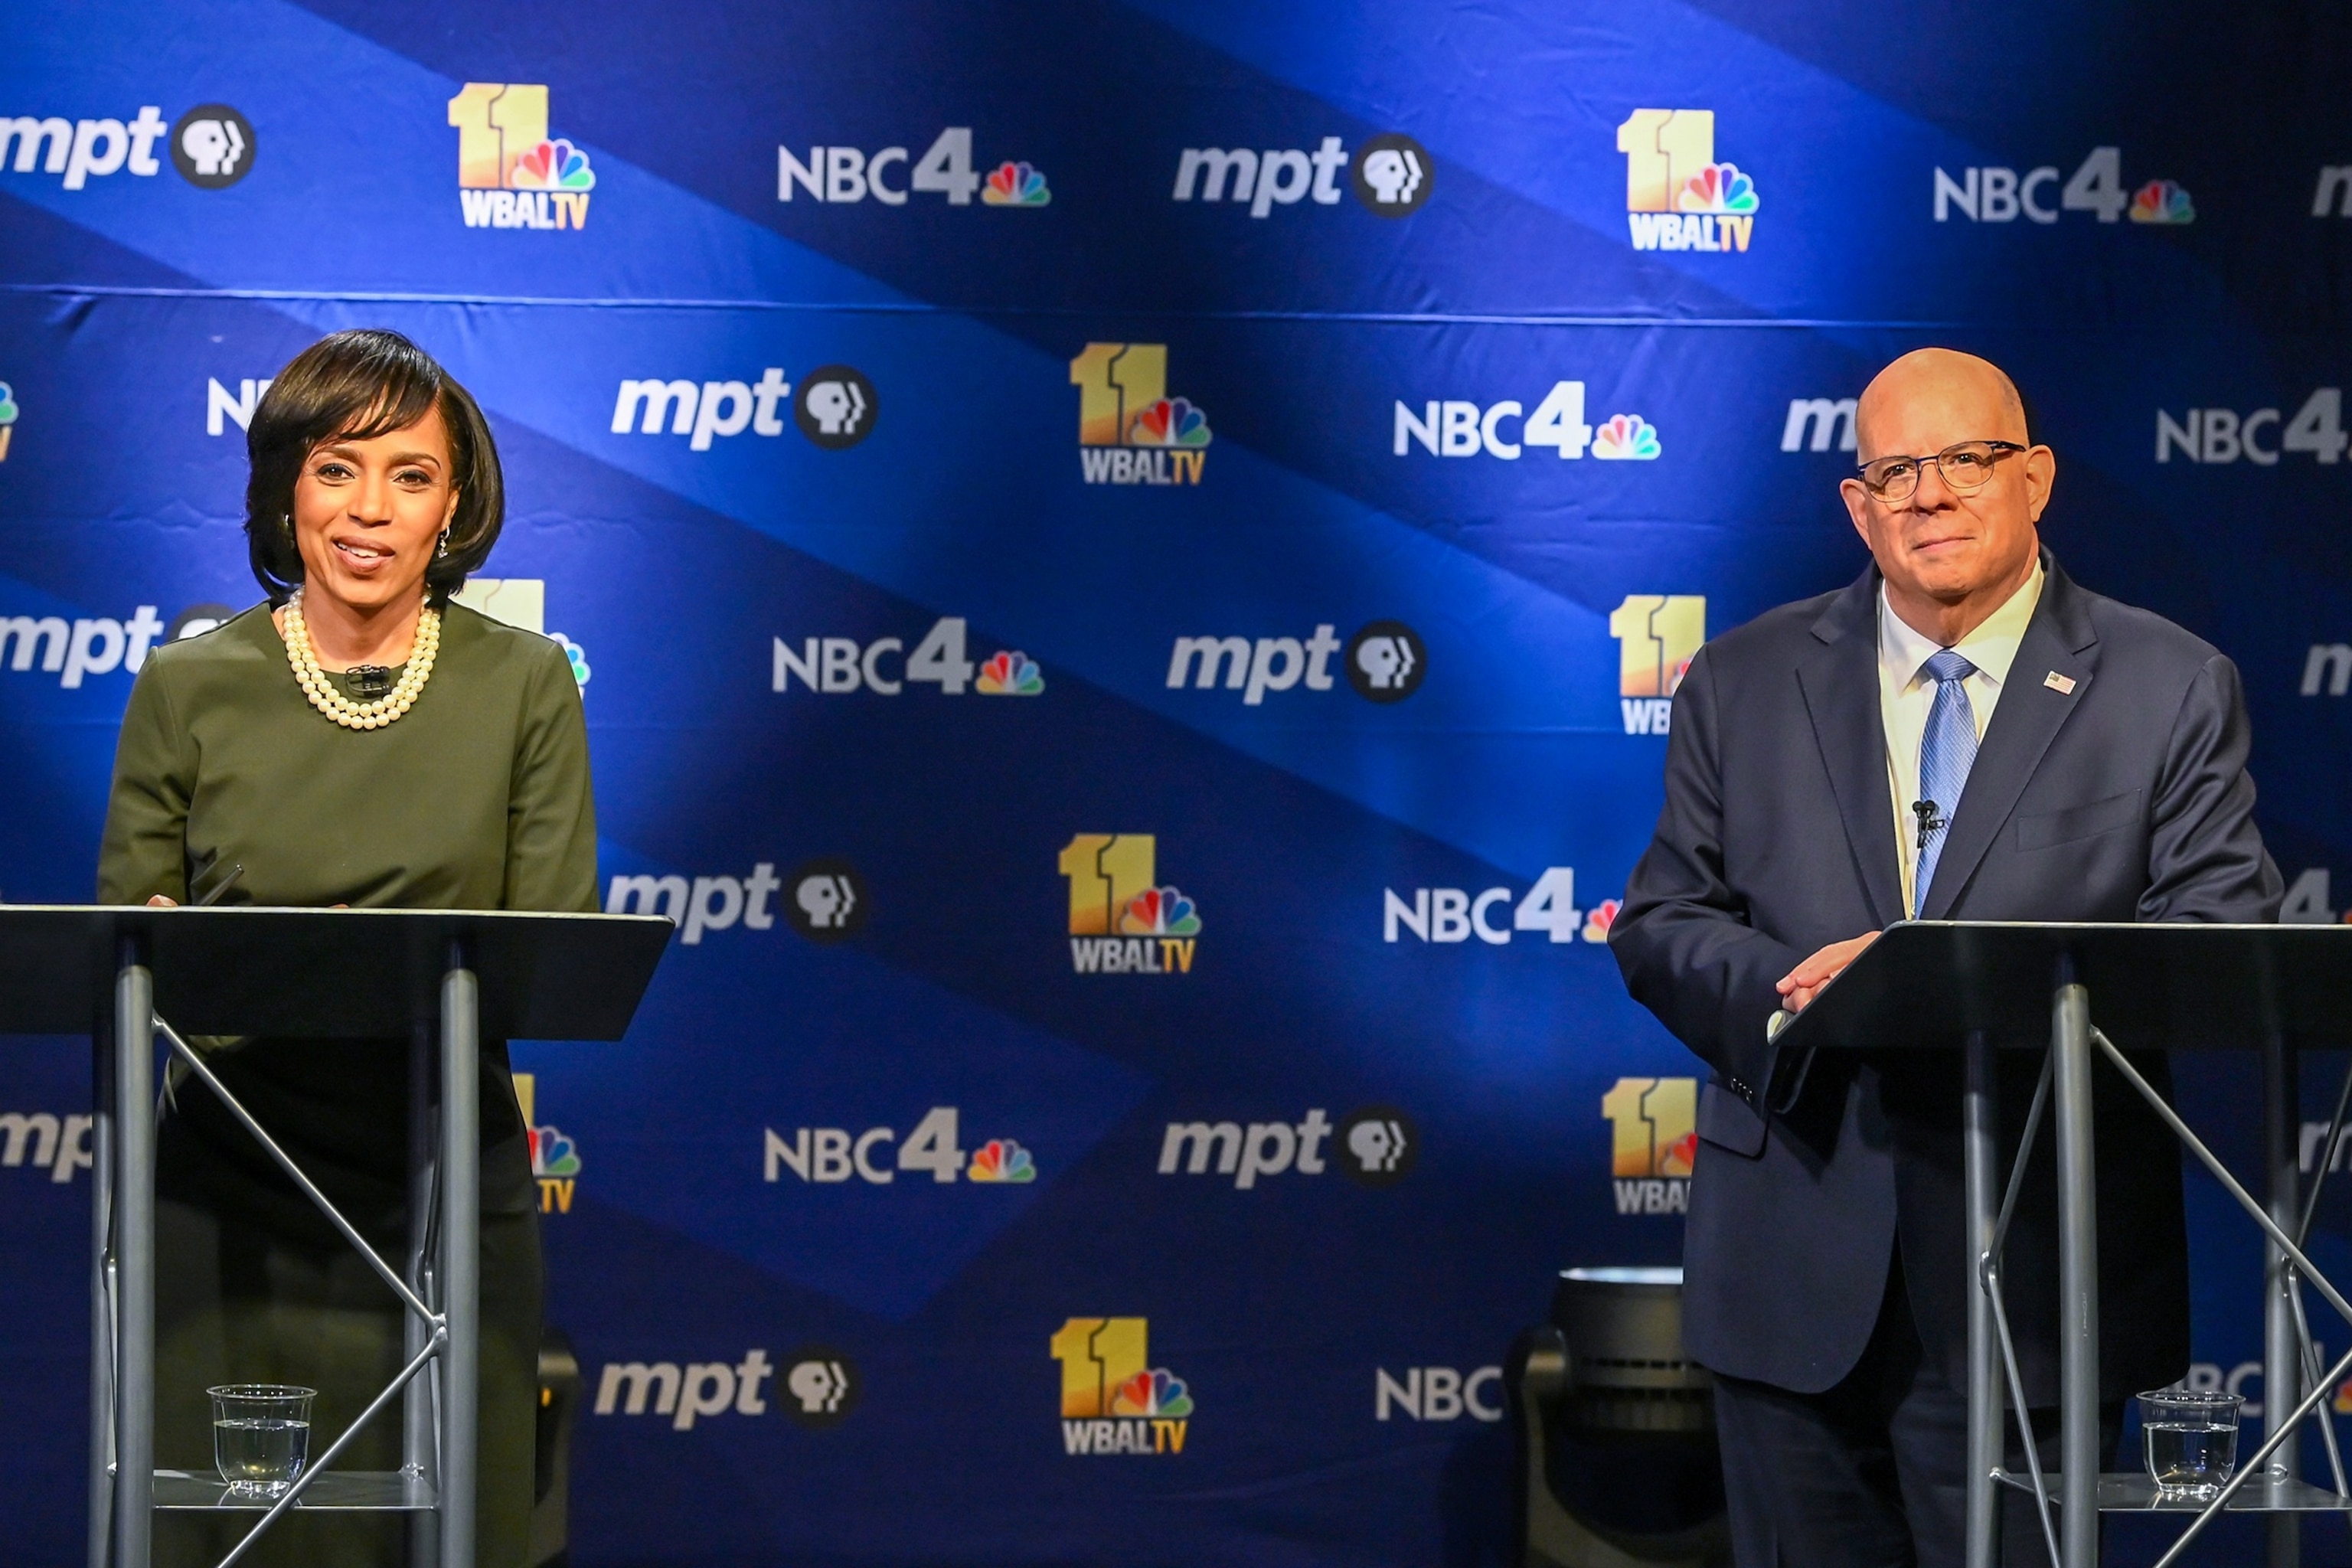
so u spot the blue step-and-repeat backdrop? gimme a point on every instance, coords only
(1126, 562)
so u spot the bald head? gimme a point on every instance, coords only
(1942, 388)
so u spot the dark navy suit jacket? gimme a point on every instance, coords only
(2126, 798)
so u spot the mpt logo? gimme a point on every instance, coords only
(509, 174)
(2216, 435)
(59, 1145)
(1677, 198)
(710, 903)
(1130, 432)
(824, 1385)
(1384, 663)
(1114, 1401)
(836, 666)
(1446, 915)
(212, 146)
(1654, 1124)
(688, 1394)
(1392, 174)
(841, 176)
(97, 645)
(829, 900)
(1122, 921)
(1997, 194)
(1456, 427)
(1657, 636)
(837, 407)
(1820, 418)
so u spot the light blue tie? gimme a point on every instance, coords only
(1947, 752)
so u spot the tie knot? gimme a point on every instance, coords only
(1947, 664)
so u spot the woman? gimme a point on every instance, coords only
(358, 740)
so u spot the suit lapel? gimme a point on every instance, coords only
(1840, 681)
(2060, 641)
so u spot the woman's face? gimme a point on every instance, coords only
(368, 515)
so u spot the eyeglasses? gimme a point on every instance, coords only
(1967, 468)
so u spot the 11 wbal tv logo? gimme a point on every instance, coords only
(1657, 636)
(1653, 1132)
(509, 174)
(845, 177)
(1130, 432)
(1998, 194)
(1677, 198)
(1392, 174)
(1114, 1401)
(1122, 921)
(555, 1155)
(1456, 427)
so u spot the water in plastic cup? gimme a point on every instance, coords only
(261, 1435)
(2191, 1441)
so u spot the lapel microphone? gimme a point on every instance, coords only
(1925, 810)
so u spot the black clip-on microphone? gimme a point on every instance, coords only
(1925, 810)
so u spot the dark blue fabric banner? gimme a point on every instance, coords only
(1125, 562)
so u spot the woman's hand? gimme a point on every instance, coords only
(159, 903)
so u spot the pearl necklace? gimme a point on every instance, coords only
(328, 701)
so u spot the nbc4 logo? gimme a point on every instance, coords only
(1122, 921)
(1995, 194)
(1459, 428)
(1677, 198)
(1654, 1124)
(1130, 432)
(554, 1156)
(509, 174)
(831, 1156)
(840, 175)
(1114, 1401)
(1447, 915)
(1657, 636)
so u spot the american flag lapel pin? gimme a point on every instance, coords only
(2063, 685)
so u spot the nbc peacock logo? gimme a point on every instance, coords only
(8, 417)
(1677, 198)
(510, 175)
(1130, 432)
(1114, 1401)
(554, 1157)
(1122, 920)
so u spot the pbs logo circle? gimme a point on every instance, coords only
(1379, 1146)
(836, 407)
(821, 1386)
(212, 146)
(1392, 174)
(1386, 661)
(826, 900)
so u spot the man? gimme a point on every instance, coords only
(1961, 733)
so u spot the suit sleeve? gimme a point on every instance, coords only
(2206, 859)
(146, 848)
(1683, 939)
(552, 811)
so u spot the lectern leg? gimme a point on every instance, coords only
(2281, 1346)
(461, 1220)
(101, 1297)
(416, 1436)
(134, 1251)
(2078, 1281)
(1980, 1155)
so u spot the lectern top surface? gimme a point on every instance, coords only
(355, 973)
(1931, 983)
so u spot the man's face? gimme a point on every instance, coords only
(1936, 544)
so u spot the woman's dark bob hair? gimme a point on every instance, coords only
(357, 386)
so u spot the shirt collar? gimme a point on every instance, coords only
(1992, 647)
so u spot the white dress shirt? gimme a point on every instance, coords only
(1906, 696)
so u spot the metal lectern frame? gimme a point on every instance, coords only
(1979, 986)
(415, 973)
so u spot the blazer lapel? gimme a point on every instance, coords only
(2060, 641)
(1840, 681)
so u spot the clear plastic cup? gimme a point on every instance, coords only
(261, 1435)
(2190, 1440)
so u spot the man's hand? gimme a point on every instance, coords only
(1802, 983)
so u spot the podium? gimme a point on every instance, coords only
(1980, 988)
(127, 976)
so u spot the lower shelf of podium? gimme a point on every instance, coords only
(375, 1491)
(2130, 1491)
